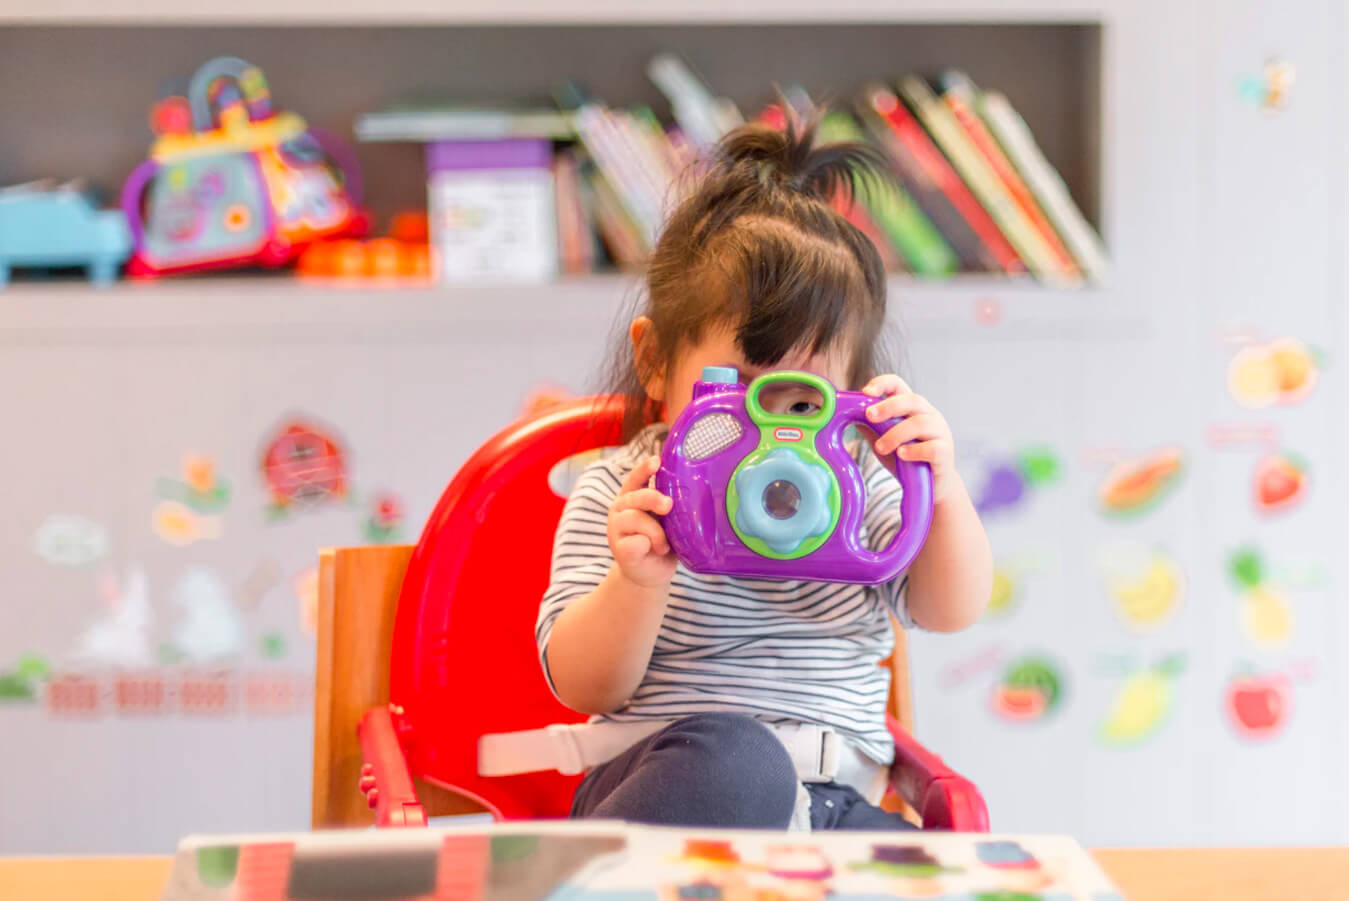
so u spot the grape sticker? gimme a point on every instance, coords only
(1137, 485)
(1007, 481)
(1143, 704)
(1279, 373)
(1030, 689)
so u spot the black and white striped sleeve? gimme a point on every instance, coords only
(581, 555)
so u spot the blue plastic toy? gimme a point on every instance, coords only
(44, 225)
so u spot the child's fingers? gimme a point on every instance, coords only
(648, 499)
(897, 405)
(631, 549)
(634, 522)
(889, 383)
(640, 475)
(925, 451)
(922, 427)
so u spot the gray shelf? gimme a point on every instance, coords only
(260, 310)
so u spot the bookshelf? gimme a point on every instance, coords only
(458, 12)
(1050, 68)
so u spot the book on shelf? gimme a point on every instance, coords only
(575, 226)
(961, 97)
(892, 209)
(966, 189)
(934, 184)
(1044, 181)
(702, 117)
(983, 183)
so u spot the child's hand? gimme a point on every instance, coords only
(923, 425)
(636, 538)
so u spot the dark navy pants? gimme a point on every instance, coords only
(717, 770)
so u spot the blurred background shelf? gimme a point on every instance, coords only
(263, 309)
(538, 11)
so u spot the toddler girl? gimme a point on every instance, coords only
(720, 701)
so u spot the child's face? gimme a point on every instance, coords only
(718, 348)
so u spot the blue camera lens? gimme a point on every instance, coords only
(781, 499)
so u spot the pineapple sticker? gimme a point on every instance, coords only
(1266, 615)
(1143, 704)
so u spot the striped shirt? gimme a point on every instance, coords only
(783, 652)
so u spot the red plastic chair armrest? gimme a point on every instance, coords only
(941, 796)
(385, 778)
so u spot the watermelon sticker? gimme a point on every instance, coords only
(1137, 485)
(1030, 689)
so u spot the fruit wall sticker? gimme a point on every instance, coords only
(1136, 485)
(1146, 584)
(68, 540)
(384, 523)
(1278, 373)
(1268, 90)
(304, 465)
(1266, 616)
(20, 683)
(190, 506)
(1006, 480)
(1279, 483)
(120, 637)
(1143, 703)
(1030, 689)
(1004, 595)
(1257, 705)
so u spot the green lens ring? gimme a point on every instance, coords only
(763, 418)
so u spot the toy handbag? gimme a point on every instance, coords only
(231, 183)
(778, 495)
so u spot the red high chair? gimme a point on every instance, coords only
(422, 651)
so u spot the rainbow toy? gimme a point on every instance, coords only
(230, 182)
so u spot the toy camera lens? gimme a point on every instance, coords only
(781, 499)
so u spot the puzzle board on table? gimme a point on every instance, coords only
(615, 862)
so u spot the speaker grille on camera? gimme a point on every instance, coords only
(711, 435)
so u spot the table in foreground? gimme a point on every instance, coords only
(1142, 875)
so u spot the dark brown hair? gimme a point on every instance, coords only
(758, 245)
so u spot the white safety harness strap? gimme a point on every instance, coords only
(819, 753)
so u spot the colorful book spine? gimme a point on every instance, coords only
(894, 211)
(940, 173)
(923, 170)
(947, 132)
(576, 241)
(854, 212)
(616, 159)
(961, 97)
(1045, 182)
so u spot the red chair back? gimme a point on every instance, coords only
(464, 661)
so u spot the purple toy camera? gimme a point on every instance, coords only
(775, 495)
